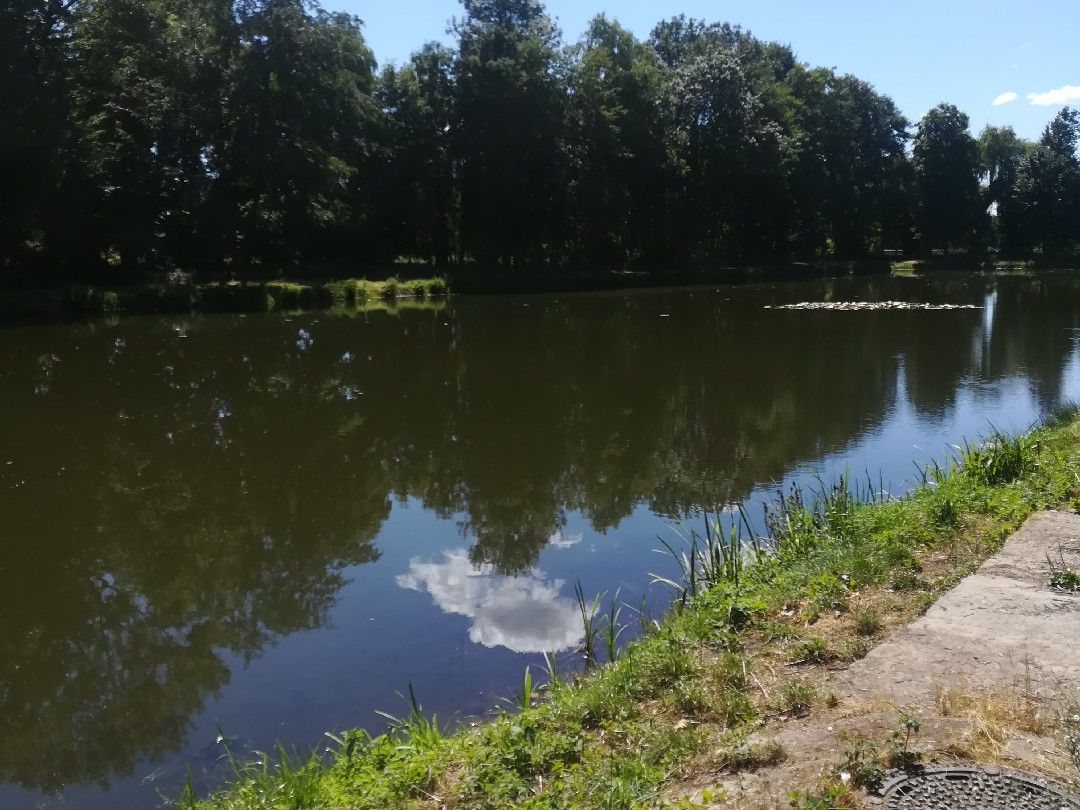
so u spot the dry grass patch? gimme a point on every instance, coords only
(994, 718)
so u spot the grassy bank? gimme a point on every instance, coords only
(842, 568)
(915, 268)
(84, 302)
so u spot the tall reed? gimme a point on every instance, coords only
(612, 629)
(591, 631)
(414, 729)
(718, 557)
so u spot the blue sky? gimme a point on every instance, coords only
(920, 52)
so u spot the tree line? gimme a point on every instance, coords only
(258, 137)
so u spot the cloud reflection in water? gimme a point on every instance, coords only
(522, 613)
(560, 540)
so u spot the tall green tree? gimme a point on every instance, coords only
(509, 102)
(418, 194)
(200, 52)
(297, 134)
(148, 84)
(847, 177)
(1001, 152)
(1043, 210)
(946, 162)
(615, 142)
(121, 98)
(762, 208)
(731, 158)
(34, 131)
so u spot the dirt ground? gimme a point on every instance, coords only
(986, 672)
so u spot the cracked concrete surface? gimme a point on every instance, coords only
(997, 627)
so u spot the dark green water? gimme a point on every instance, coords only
(274, 524)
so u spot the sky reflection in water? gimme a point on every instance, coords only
(523, 613)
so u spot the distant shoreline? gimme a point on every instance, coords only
(84, 302)
(81, 302)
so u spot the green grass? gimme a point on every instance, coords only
(906, 269)
(346, 294)
(343, 295)
(867, 621)
(793, 697)
(916, 268)
(614, 737)
(1000, 459)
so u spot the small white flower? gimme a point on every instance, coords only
(845, 777)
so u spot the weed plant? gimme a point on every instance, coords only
(1062, 577)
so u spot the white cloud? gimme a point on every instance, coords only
(1005, 98)
(524, 614)
(1065, 94)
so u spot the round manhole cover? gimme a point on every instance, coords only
(962, 787)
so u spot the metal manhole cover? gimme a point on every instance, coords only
(961, 787)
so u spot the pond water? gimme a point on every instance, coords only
(272, 525)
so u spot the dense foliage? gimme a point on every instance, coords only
(258, 136)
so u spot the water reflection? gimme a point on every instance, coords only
(564, 540)
(523, 613)
(178, 498)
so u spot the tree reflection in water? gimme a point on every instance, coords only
(177, 492)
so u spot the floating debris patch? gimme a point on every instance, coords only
(859, 306)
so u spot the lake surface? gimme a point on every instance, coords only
(272, 525)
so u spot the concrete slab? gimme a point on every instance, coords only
(1003, 630)
(1001, 626)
